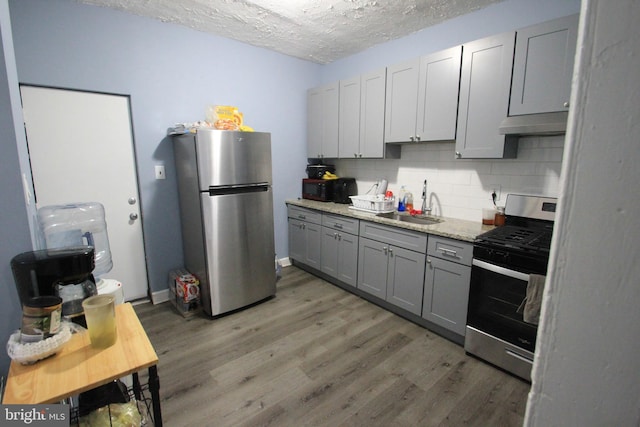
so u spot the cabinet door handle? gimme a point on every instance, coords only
(339, 236)
(449, 252)
(566, 105)
(355, 155)
(418, 138)
(385, 249)
(302, 226)
(458, 155)
(429, 261)
(390, 252)
(411, 138)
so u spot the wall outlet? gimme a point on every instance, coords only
(496, 188)
(160, 172)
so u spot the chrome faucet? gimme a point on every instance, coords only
(424, 209)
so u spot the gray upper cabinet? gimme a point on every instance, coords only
(349, 118)
(322, 121)
(402, 102)
(484, 98)
(361, 117)
(438, 87)
(543, 67)
(422, 98)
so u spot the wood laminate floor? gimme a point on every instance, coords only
(317, 355)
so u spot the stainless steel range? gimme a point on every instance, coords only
(509, 268)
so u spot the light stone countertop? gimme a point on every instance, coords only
(448, 227)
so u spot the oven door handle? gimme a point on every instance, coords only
(501, 270)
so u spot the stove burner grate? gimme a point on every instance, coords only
(519, 237)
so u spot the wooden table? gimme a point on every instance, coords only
(78, 367)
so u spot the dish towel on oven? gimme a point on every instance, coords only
(531, 304)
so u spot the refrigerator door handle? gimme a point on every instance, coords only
(236, 189)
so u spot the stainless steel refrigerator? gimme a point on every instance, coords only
(226, 210)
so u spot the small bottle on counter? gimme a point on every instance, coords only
(401, 206)
(500, 217)
(408, 202)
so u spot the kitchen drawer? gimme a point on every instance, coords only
(450, 249)
(340, 223)
(304, 214)
(407, 239)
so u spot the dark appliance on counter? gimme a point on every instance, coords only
(64, 272)
(343, 188)
(317, 171)
(318, 189)
(505, 261)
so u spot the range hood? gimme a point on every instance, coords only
(535, 124)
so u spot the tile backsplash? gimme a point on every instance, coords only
(461, 188)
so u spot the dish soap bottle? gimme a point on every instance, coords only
(401, 207)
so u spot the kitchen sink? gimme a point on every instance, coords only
(414, 219)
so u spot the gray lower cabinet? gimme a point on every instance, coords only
(426, 275)
(305, 235)
(390, 271)
(339, 257)
(446, 283)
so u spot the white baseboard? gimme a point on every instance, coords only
(160, 296)
(285, 262)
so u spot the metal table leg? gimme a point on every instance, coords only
(154, 388)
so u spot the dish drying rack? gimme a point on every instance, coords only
(378, 203)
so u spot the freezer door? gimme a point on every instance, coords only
(240, 252)
(229, 158)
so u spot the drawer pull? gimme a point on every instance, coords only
(449, 252)
(518, 356)
(302, 217)
(338, 226)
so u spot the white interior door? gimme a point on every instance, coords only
(81, 150)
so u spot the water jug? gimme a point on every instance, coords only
(78, 224)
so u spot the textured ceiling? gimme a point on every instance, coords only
(321, 31)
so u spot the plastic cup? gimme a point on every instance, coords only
(100, 314)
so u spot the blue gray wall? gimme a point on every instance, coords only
(14, 224)
(172, 73)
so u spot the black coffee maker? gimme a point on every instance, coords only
(64, 272)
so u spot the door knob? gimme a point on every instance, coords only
(133, 216)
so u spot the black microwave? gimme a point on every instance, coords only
(317, 189)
